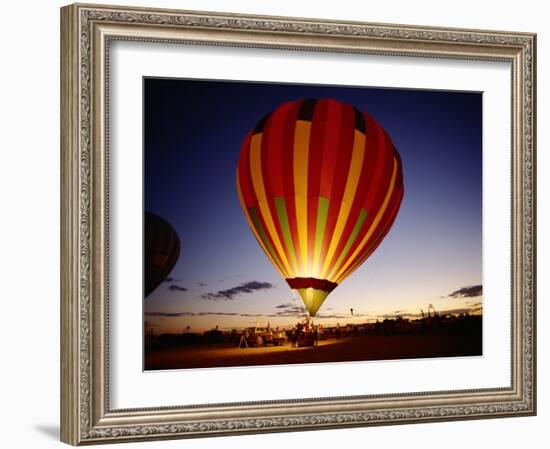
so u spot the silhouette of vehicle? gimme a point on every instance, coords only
(265, 336)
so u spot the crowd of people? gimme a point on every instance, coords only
(304, 333)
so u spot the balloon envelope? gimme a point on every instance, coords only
(162, 250)
(320, 184)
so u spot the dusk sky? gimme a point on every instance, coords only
(193, 131)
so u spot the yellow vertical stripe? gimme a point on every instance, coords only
(349, 194)
(301, 149)
(259, 190)
(254, 230)
(373, 226)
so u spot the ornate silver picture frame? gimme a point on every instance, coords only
(87, 32)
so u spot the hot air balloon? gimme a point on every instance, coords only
(320, 184)
(162, 249)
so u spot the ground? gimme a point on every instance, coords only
(362, 348)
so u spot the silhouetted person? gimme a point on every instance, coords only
(243, 343)
(293, 337)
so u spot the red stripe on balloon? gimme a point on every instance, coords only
(389, 219)
(330, 152)
(244, 179)
(271, 171)
(379, 184)
(287, 150)
(273, 139)
(365, 175)
(343, 152)
(381, 167)
(331, 139)
(315, 155)
(376, 151)
(373, 151)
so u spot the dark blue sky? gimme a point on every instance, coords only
(192, 136)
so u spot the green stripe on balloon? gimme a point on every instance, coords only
(280, 207)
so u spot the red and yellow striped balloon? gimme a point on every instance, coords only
(320, 184)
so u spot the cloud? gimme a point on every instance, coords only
(474, 303)
(340, 316)
(169, 314)
(298, 312)
(179, 314)
(202, 284)
(288, 309)
(217, 313)
(286, 305)
(170, 279)
(230, 293)
(291, 311)
(467, 292)
(177, 288)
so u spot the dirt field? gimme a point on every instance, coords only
(361, 348)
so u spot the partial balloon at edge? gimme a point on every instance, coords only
(161, 251)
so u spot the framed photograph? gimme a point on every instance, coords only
(280, 224)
